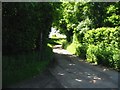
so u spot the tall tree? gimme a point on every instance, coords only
(23, 25)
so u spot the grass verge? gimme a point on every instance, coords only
(71, 48)
(20, 67)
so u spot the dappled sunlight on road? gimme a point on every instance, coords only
(61, 74)
(71, 64)
(74, 72)
(78, 80)
(93, 81)
(105, 69)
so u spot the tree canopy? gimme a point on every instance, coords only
(71, 15)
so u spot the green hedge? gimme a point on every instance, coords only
(103, 46)
(107, 56)
(107, 36)
(100, 46)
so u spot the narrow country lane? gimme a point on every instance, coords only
(69, 71)
(72, 72)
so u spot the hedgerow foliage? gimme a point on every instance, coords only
(91, 28)
(107, 36)
(101, 46)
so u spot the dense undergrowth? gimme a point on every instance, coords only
(100, 46)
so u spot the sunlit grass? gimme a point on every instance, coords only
(72, 48)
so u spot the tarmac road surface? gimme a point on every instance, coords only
(73, 72)
(69, 71)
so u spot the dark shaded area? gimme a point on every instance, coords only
(43, 80)
(25, 29)
(25, 26)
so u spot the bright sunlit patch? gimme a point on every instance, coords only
(93, 77)
(57, 46)
(71, 64)
(89, 76)
(66, 52)
(105, 69)
(61, 74)
(96, 78)
(56, 51)
(56, 33)
(93, 81)
(94, 64)
(78, 80)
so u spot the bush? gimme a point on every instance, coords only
(105, 35)
(104, 55)
(116, 58)
(81, 50)
(103, 46)
(91, 53)
(107, 56)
